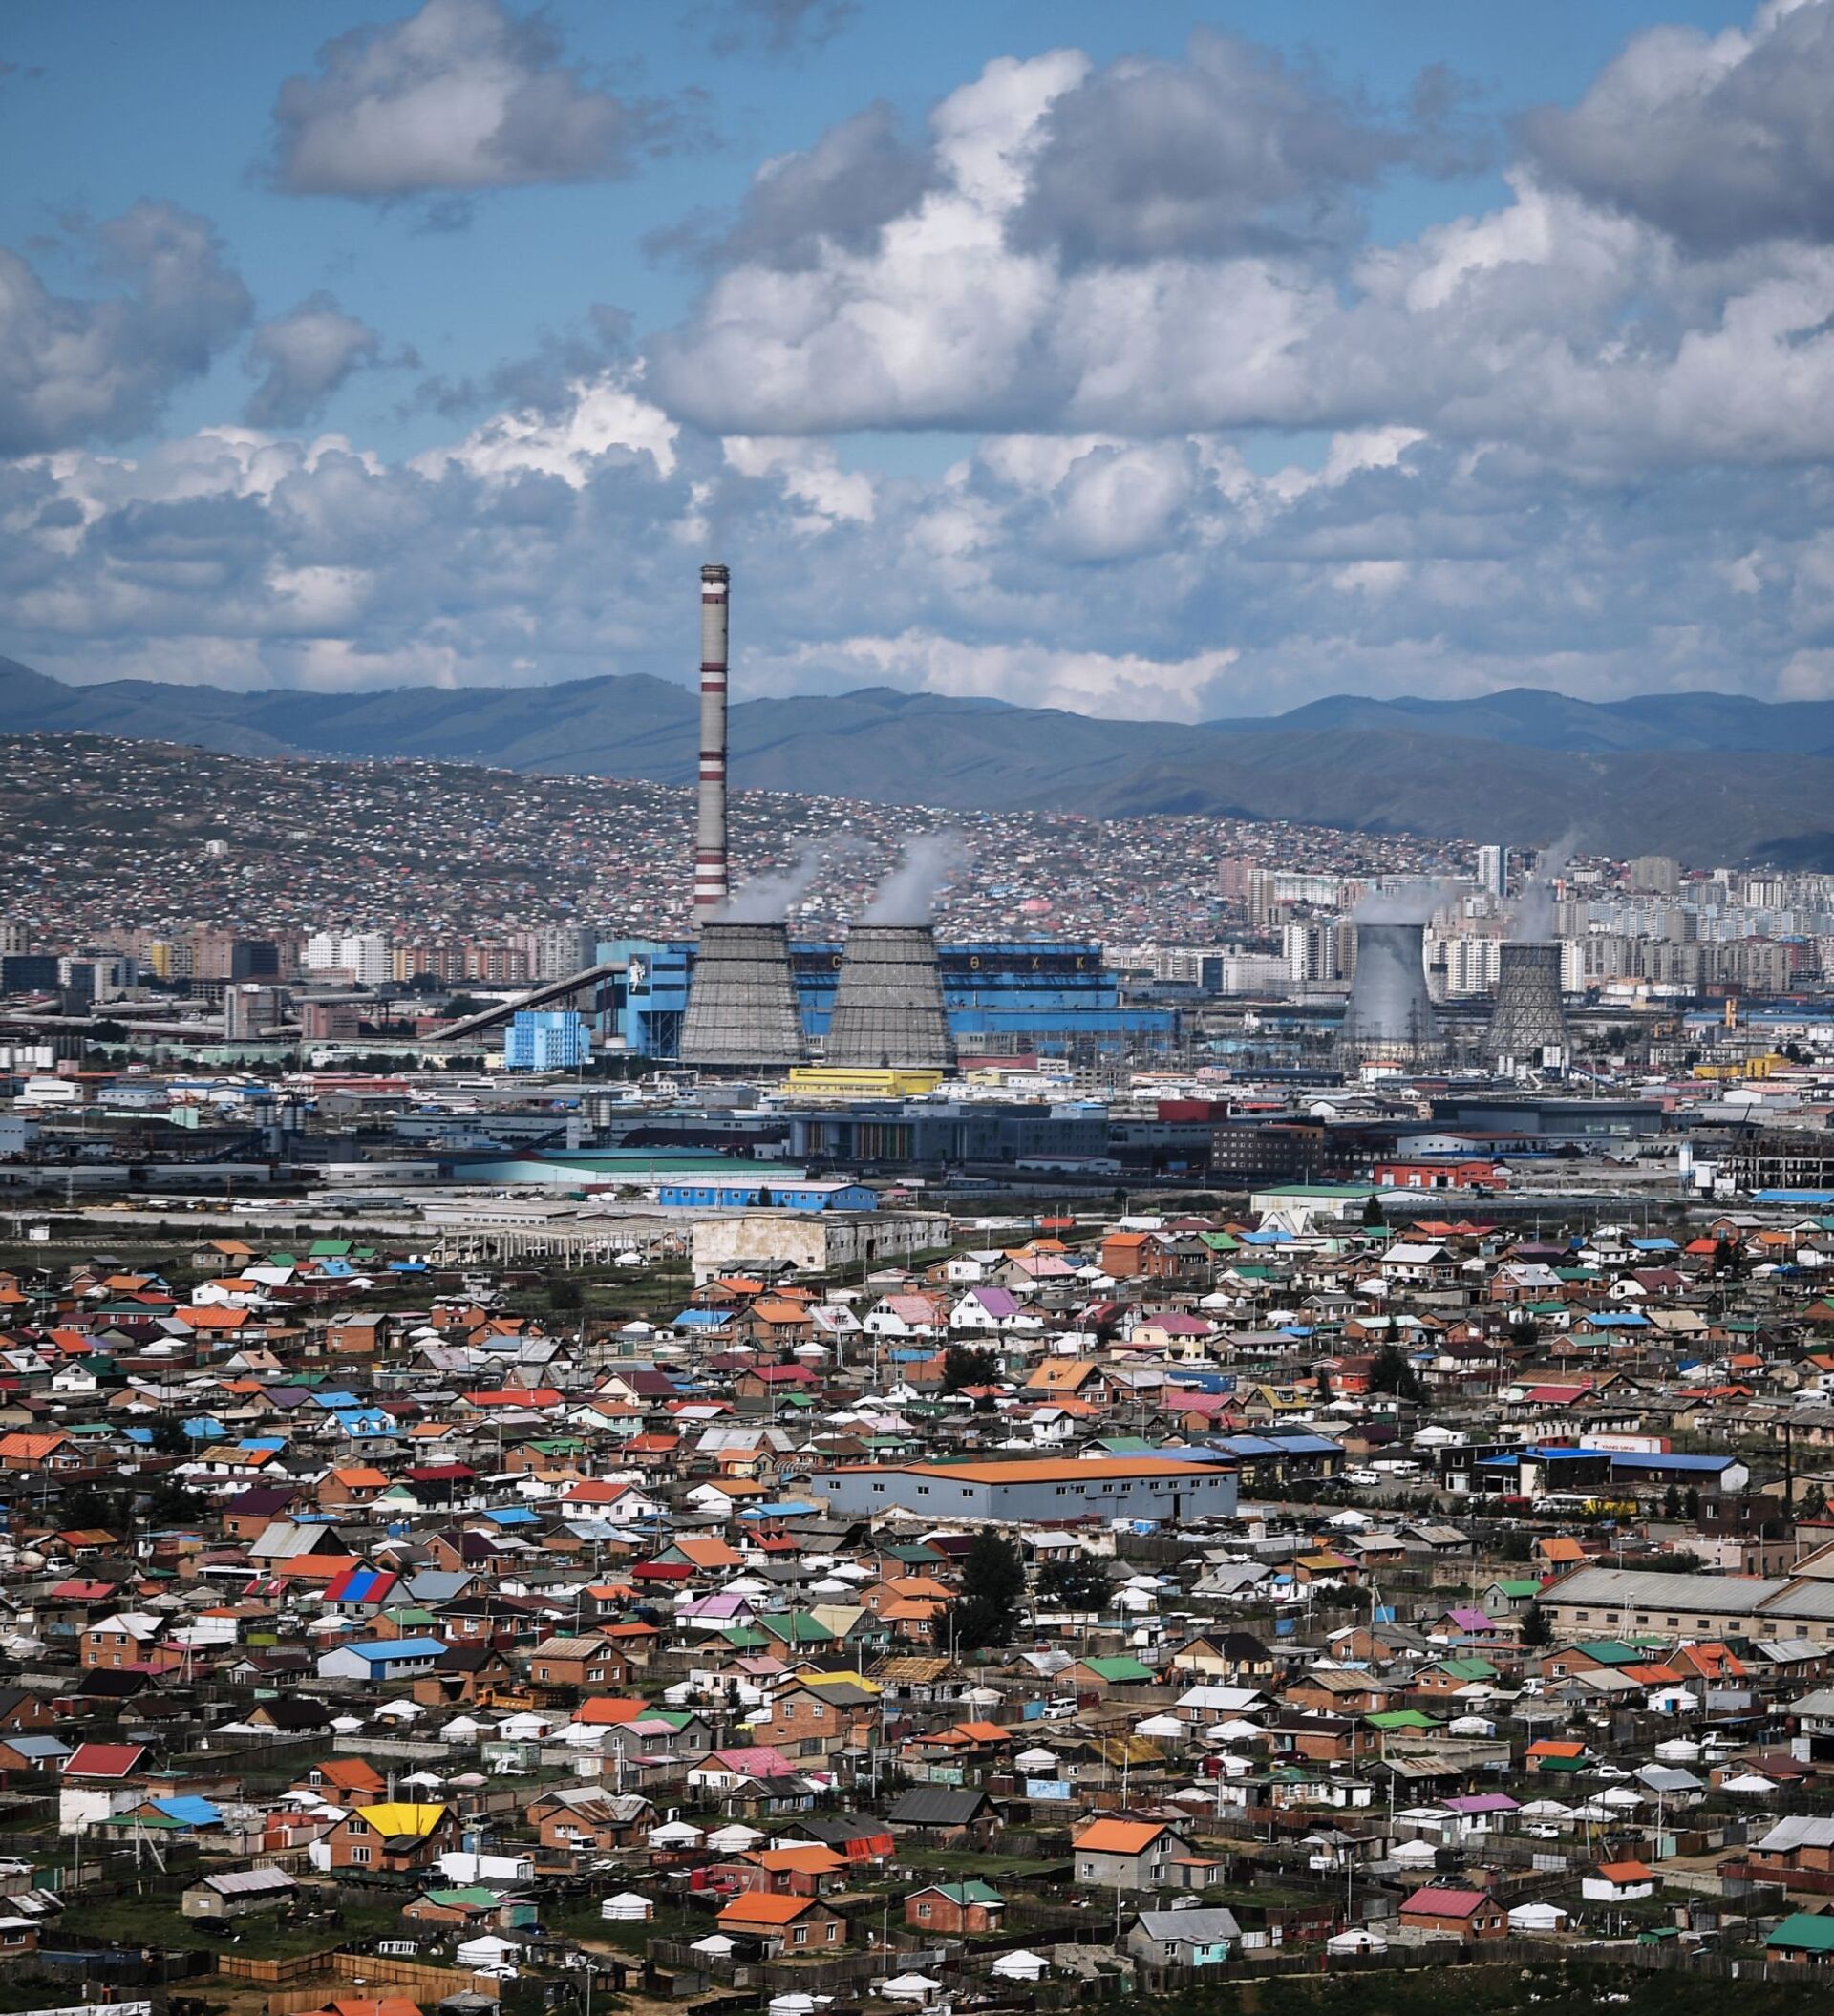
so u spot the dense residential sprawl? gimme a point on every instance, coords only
(1146, 1593)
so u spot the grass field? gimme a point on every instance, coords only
(150, 1921)
(1573, 1987)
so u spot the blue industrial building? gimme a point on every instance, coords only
(1057, 996)
(547, 1039)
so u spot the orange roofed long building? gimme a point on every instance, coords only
(1037, 1491)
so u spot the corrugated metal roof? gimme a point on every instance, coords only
(1638, 1588)
(250, 1882)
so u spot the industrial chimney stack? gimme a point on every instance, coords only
(709, 839)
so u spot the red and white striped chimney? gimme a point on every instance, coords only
(710, 842)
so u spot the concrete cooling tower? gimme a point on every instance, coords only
(888, 1003)
(1528, 1021)
(1390, 1016)
(742, 1011)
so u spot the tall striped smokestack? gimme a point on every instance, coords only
(710, 841)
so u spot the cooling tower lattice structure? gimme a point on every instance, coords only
(742, 1011)
(1390, 1017)
(888, 1003)
(1528, 1022)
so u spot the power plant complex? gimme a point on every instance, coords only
(741, 995)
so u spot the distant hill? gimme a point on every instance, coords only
(1528, 717)
(1706, 777)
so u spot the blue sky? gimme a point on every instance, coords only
(1170, 360)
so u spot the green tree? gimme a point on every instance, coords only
(965, 1365)
(988, 1610)
(1691, 1504)
(1536, 1631)
(169, 1438)
(564, 1293)
(1076, 1584)
(172, 1505)
(1373, 1216)
(1392, 1374)
(1813, 1503)
(1671, 1502)
(84, 1509)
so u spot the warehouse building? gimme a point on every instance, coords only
(1593, 1602)
(814, 1242)
(1046, 1492)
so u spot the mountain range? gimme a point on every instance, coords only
(1709, 777)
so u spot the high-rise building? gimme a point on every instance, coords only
(1232, 873)
(562, 949)
(366, 957)
(95, 977)
(1467, 961)
(1493, 870)
(1655, 875)
(1319, 950)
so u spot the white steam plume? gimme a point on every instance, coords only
(1533, 920)
(1411, 903)
(767, 899)
(908, 895)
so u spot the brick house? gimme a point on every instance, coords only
(784, 1924)
(1125, 1255)
(251, 1511)
(954, 1908)
(344, 1779)
(22, 1712)
(571, 1817)
(812, 1717)
(348, 1486)
(1466, 1914)
(125, 1639)
(801, 1869)
(587, 1661)
(393, 1839)
(1798, 1846)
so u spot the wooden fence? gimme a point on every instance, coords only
(426, 1985)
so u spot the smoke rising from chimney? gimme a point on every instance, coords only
(1412, 903)
(768, 899)
(1534, 913)
(908, 895)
